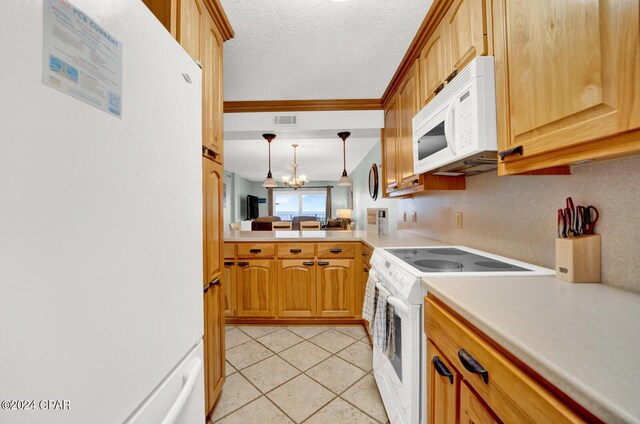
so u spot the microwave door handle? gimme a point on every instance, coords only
(449, 127)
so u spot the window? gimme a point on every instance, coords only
(303, 202)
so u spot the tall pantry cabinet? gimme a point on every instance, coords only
(201, 27)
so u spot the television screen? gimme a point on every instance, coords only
(252, 207)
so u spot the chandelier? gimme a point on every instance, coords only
(294, 182)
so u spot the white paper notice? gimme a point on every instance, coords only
(81, 58)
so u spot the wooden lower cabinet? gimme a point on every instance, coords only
(255, 289)
(213, 342)
(230, 286)
(296, 288)
(498, 390)
(336, 280)
(442, 385)
(472, 409)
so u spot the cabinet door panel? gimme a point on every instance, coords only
(466, 32)
(389, 156)
(441, 390)
(566, 73)
(255, 291)
(408, 109)
(432, 64)
(472, 410)
(296, 288)
(336, 282)
(214, 342)
(229, 280)
(190, 21)
(212, 87)
(212, 217)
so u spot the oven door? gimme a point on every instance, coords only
(398, 378)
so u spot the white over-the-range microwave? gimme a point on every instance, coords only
(455, 133)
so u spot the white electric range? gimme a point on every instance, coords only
(401, 379)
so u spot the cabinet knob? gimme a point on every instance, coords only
(518, 149)
(323, 263)
(472, 365)
(442, 369)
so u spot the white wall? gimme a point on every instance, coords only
(361, 198)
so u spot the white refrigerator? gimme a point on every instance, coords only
(101, 314)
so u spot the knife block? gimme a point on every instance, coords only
(578, 259)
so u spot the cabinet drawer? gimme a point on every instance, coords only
(255, 250)
(296, 250)
(512, 394)
(229, 251)
(336, 250)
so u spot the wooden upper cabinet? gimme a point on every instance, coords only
(566, 73)
(297, 288)
(190, 26)
(466, 35)
(212, 97)
(409, 106)
(336, 281)
(389, 146)
(255, 289)
(213, 179)
(441, 389)
(433, 66)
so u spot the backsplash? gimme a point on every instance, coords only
(516, 216)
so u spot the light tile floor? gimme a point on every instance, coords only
(301, 374)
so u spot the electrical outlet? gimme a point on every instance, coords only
(414, 217)
(404, 217)
(458, 219)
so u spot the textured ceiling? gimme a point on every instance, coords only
(320, 159)
(316, 49)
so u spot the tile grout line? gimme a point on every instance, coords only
(331, 354)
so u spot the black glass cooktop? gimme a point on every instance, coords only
(448, 259)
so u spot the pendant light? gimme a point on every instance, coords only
(269, 182)
(344, 180)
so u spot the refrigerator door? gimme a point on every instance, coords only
(100, 222)
(177, 400)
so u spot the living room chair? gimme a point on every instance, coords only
(310, 225)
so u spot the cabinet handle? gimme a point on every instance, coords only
(255, 250)
(214, 282)
(364, 253)
(295, 250)
(243, 263)
(366, 270)
(518, 149)
(415, 182)
(309, 263)
(452, 75)
(438, 89)
(335, 250)
(442, 369)
(471, 364)
(228, 264)
(205, 289)
(323, 263)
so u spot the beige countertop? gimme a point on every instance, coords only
(399, 239)
(583, 338)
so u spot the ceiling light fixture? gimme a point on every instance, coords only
(295, 182)
(269, 182)
(344, 180)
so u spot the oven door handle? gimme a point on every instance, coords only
(394, 301)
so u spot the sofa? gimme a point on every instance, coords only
(263, 223)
